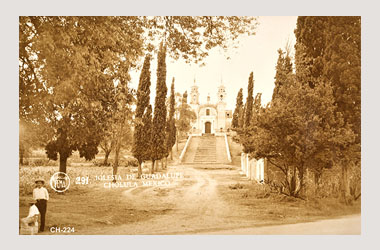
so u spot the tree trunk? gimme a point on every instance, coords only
(302, 189)
(292, 181)
(139, 171)
(171, 154)
(176, 139)
(152, 168)
(156, 166)
(344, 185)
(266, 169)
(62, 163)
(162, 164)
(107, 153)
(166, 163)
(21, 157)
(116, 162)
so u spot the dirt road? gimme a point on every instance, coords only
(189, 205)
(348, 225)
(194, 205)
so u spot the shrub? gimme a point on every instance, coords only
(131, 162)
(236, 186)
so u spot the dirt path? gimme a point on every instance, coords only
(348, 225)
(188, 205)
(194, 205)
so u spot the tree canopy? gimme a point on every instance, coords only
(313, 120)
(70, 66)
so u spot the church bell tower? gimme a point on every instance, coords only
(194, 94)
(221, 95)
(221, 107)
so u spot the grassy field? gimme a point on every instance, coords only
(83, 206)
(267, 208)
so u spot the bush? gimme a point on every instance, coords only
(236, 186)
(39, 162)
(98, 162)
(131, 162)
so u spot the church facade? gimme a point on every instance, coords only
(212, 118)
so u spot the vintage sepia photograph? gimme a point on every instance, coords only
(189, 125)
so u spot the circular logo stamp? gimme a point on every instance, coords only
(60, 182)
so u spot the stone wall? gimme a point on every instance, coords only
(252, 168)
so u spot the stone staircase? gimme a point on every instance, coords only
(207, 149)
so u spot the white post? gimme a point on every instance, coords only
(249, 169)
(242, 159)
(260, 170)
(247, 164)
(253, 170)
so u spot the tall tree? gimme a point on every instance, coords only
(332, 46)
(342, 68)
(75, 62)
(239, 104)
(140, 142)
(249, 102)
(186, 116)
(121, 121)
(298, 132)
(159, 119)
(171, 130)
(284, 68)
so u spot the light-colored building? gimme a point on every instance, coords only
(212, 118)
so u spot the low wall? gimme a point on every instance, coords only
(228, 149)
(252, 168)
(185, 148)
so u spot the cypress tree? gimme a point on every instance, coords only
(140, 142)
(333, 46)
(171, 128)
(311, 32)
(147, 131)
(257, 103)
(159, 119)
(239, 104)
(342, 68)
(143, 91)
(249, 102)
(241, 118)
(284, 67)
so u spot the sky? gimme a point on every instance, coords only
(257, 54)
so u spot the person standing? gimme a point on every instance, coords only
(41, 195)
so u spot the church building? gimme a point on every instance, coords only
(212, 118)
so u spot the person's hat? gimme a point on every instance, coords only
(32, 201)
(39, 180)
